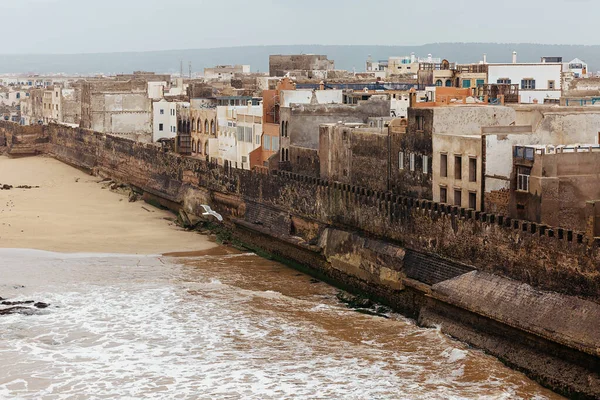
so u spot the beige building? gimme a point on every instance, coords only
(457, 155)
(553, 185)
(118, 108)
(457, 163)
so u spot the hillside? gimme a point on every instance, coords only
(346, 57)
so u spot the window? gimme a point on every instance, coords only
(472, 169)
(162, 111)
(444, 165)
(244, 159)
(438, 82)
(480, 82)
(160, 127)
(401, 157)
(523, 179)
(257, 139)
(420, 122)
(412, 161)
(275, 143)
(458, 167)
(504, 81)
(551, 85)
(267, 142)
(248, 134)
(448, 82)
(473, 200)
(528, 84)
(457, 197)
(443, 194)
(240, 133)
(425, 164)
(466, 84)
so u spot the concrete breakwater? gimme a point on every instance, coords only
(525, 293)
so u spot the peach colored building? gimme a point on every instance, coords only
(203, 127)
(259, 158)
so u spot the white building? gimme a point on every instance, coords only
(240, 132)
(578, 67)
(13, 96)
(399, 106)
(164, 119)
(538, 82)
(224, 73)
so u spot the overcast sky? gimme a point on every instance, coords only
(85, 26)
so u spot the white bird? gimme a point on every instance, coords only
(209, 211)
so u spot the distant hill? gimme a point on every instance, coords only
(346, 57)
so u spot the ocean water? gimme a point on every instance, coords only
(219, 325)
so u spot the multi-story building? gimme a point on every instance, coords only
(52, 105)
(554, 185)
(538, 82)
(300, 127)
(259, 157)
(576, 66)
(117, 107)
(439, 156)
(205, 131)
(164, 118)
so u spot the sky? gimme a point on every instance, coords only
(85, 26)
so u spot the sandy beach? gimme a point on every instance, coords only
(71, 212)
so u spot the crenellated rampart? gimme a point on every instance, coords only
(415, 254)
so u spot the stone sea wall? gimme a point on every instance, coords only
(478, 276)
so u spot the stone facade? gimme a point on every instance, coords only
(301, 65)
(300, 128)
(117, 107)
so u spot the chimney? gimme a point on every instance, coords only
(484, 58)
(514, 57)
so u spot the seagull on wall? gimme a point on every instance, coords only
(210, 211)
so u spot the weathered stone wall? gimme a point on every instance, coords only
(553, 259)
(414, 254)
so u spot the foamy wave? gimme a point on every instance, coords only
(125, 328)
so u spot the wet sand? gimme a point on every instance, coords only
(72, 213)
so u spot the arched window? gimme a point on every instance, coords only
(287, 132)
(194, 124)
(206, 148)
(212, 127)
(193, 146)
(438, 82)
(188, 127)
(179, 127)
(282, 155)
(206, 126)
(282, 128)
(448, 82)
(287, 155)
